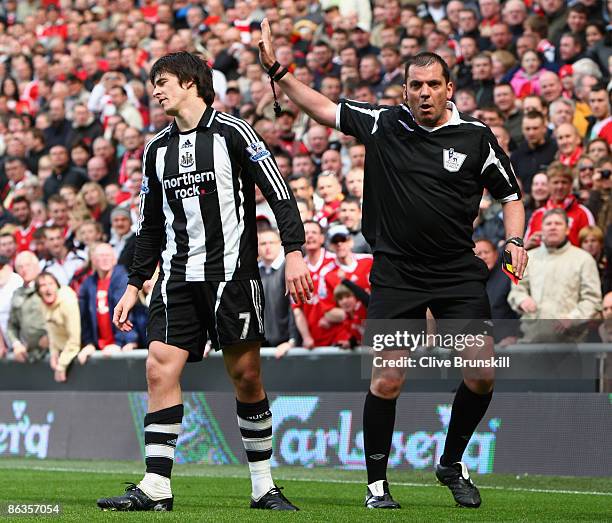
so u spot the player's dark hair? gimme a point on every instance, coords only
(186, 67)
(425, 59)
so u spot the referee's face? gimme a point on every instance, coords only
(426, 93)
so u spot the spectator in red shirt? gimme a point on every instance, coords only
(569, 144)
(350, 333)
(307, 315)
(348, 266)
(24, 234)
(560, 185)
(98, 297)
(330, 191)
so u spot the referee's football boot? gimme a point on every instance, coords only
(273, 500)
(378, 496)
(457, 478)
(135, 499)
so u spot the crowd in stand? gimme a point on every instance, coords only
(76, 111)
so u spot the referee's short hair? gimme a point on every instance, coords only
(426, 59)
(187, 67)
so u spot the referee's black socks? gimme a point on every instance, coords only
(378, 423)
(468, 409)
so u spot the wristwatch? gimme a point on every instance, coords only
(516, 240)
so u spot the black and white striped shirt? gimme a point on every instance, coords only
(197, 202)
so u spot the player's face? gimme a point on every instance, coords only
(170, 93)
(426, 92)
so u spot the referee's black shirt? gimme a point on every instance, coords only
(197, 203)
(422, 187)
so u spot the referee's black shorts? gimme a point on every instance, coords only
(454, 290)
(188, 314)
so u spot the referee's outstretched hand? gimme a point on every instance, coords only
(266, 51)
(297, 278)
(123, 308)
(520, 259)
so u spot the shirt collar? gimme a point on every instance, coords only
(276, 264)
(455, 118)
(204, 123)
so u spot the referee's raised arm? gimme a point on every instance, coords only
(314, 104)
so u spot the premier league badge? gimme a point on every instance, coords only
(453, 160)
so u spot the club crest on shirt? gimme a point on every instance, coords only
(144, 187)
(452, 159)
(187, 160)
(258, 152)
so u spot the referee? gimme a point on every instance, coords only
(425, 170)
(197, 220)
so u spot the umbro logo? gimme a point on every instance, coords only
(377, 457)
(172, 441)
(186, 144)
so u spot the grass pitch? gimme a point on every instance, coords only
(221, 493)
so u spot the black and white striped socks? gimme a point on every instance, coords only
(162, 429)
(255, 422)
